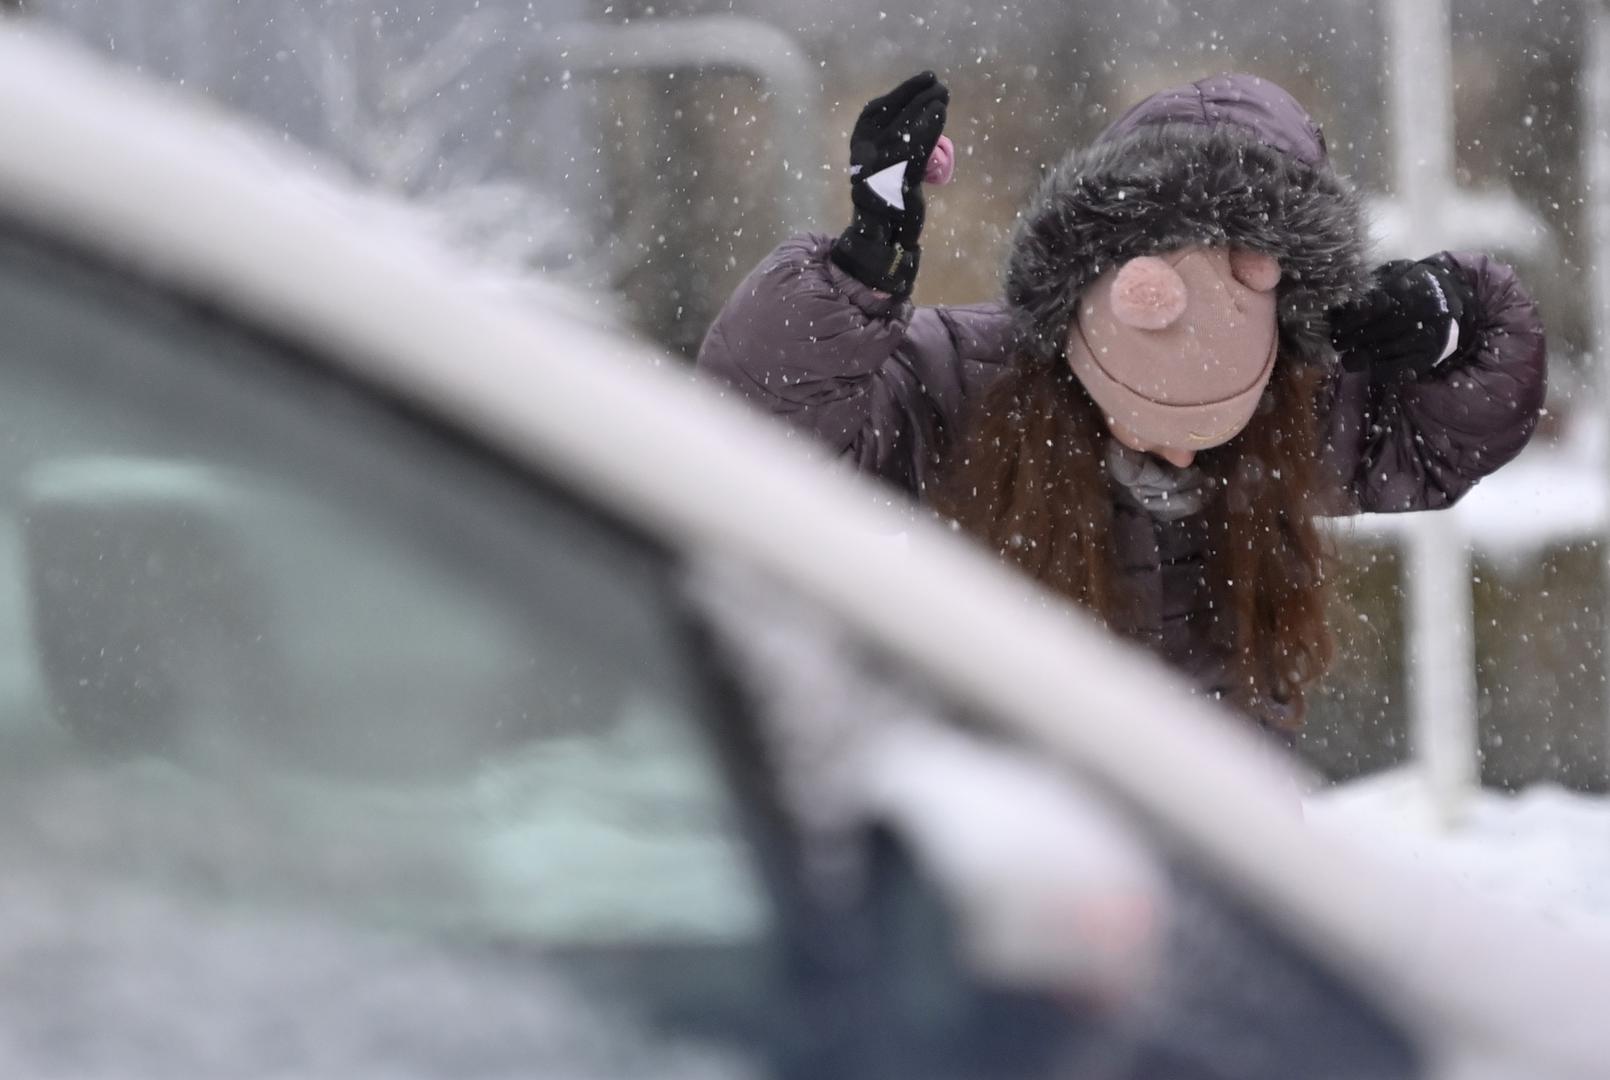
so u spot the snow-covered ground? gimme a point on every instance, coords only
(1545, 850)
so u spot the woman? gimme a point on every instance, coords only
(1190, 363)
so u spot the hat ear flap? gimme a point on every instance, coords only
(1257, 270)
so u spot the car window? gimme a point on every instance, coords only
(99, 981)
(272, 640)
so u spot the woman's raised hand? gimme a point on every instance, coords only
(1415, 316)
(890, 147)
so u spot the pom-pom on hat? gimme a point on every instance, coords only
(1178, 348)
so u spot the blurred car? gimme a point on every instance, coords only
(407, 680)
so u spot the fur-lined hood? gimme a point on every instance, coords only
(1231, 160)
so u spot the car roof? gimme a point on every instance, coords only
(157, 181)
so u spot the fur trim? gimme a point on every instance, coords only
(1169, 185)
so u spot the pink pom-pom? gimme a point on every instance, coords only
(1148, 294)
(1257, 270)
(941, 163)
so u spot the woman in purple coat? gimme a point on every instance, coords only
(1190, 364)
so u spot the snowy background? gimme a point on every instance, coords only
(1544, 850)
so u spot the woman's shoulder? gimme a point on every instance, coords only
(977, 333)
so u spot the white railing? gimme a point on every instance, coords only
(1427, 212)
(712, 44)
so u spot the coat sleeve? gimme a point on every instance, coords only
(1422, 445)
(874, 378)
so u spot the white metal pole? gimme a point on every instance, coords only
(1441, 618)
(1420, 93)
(1596, 170)
(1443, 657)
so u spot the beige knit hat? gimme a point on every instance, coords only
(1177, 348)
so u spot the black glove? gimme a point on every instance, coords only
(889, 151)
(1417, 315)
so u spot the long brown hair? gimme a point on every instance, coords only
(1027, 476)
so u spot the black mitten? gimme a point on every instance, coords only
(1417, 315)
(889, 151)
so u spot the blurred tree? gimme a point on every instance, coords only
(388, 114)
(428, 104)
(422, 111)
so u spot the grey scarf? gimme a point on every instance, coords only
(1160, 489)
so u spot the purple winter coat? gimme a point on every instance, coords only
(882, 382)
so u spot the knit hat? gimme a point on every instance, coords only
(1178, 348)
(1231, 164)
